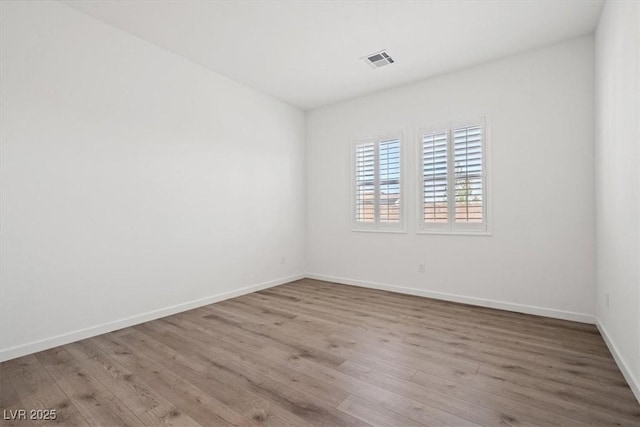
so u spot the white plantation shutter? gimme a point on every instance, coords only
(377, 184)
(434, 177)
(453, 178)
(365, 155)
(468, 178)
(389, 182)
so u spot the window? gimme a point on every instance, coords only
(453, 177)
(377, 184)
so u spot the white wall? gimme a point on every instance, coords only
(540, 257)
(617, 183)
(132, 180)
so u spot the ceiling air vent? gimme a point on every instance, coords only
(378, 59)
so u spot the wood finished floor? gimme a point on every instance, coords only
(316, 353)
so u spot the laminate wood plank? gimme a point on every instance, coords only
(169, 415)
(480, 389)
(498, 355)
(583, 409)
(408, 301)
(248, 343)
(520, 410)
(479, 351)
(294, 396)
(380, 363)
(414, 409)
(154, 361)
(542, 394)
(488, 353)
(596, 398)
(367, 314)
(97, 405)
(477, 317)
(265, 416)
(438, 324)
(409, 356)
(485, 415)
(38, 390)
(270, 337)
(315, 353)
(330, 320)
(327, 318)
(10, 402)
(616, 384)
(517, 345)
(235, 356)
(203, 407)
(310, 348)
(147, 404)
(136, 395)
(243, 387)
(506, 321)
(373, 414)
(495, 355)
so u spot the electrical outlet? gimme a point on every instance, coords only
(421, 268)
(606, 299)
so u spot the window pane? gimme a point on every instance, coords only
(389, 170)
(365, 182)
(434, 173)
(468, 174)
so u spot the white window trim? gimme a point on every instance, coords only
(376, 227)
(451, 228)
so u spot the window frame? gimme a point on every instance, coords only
(451, 227)
(376, 226)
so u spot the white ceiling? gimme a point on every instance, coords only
(307, 53)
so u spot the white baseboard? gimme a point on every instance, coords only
(624, 368)
(502, 305)
(47, 343)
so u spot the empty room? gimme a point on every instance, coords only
(320, 213)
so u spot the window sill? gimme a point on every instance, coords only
(485, 233)
(379, 230)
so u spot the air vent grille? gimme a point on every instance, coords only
(378, 59)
